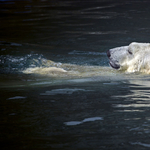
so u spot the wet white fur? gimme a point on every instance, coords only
(132, 58)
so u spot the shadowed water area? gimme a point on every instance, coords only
(57, 90)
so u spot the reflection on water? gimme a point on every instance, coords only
(138, 97)
(136, 102)
(85, 104)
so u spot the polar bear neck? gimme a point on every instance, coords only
(140, 63)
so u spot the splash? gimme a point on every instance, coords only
(13, 64)
(38, 65)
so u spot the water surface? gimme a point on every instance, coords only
(85, 104)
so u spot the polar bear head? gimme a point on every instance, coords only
(132, 58)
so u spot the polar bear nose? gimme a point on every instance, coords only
(108, 53)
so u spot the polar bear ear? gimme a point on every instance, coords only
(131, 48)
(134, 47)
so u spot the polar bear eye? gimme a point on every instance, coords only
(130, 52)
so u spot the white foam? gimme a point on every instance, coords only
(92, 119)
(72, 123)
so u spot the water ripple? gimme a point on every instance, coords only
(72, 123)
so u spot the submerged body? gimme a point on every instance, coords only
(56, 69)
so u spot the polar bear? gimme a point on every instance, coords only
(132, 58)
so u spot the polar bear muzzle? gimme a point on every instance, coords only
(112, 63)
(132, 58)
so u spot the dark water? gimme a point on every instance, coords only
(97, 109)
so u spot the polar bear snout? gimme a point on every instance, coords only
(108, 53)
(113, 63)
